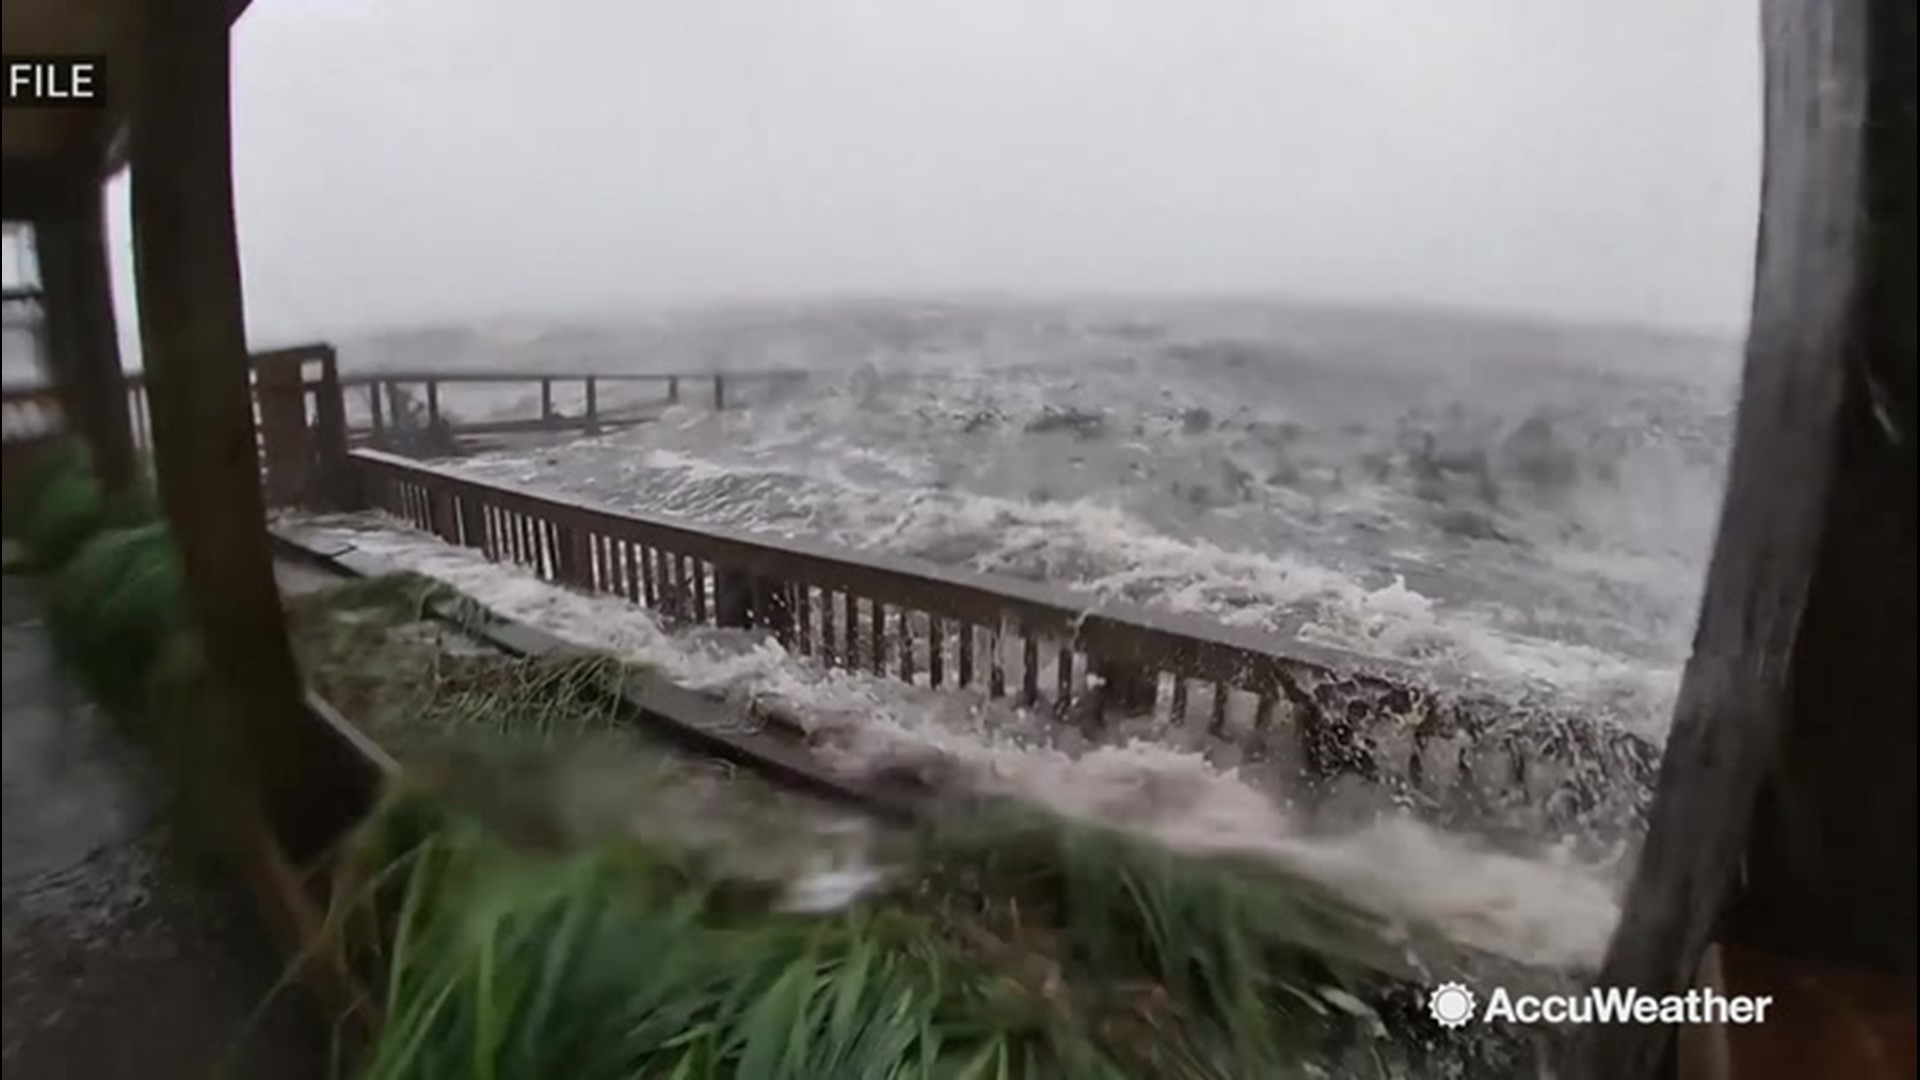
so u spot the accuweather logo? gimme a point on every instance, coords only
(1452, 1005)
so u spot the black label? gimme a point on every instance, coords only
(56, 81)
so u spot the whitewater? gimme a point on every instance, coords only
(1527, 505)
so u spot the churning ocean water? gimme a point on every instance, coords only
(1531, 505)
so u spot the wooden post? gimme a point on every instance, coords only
(433, 403)
(1784, 819)
(719, 393)
(546, 402)
(593, 408)
(673, 390)
(284, 440)
(193, 335)
(379, 422)
(82, 345)
(338, 487)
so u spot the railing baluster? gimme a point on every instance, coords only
(803, 617)
(996, 661)
(829, 649)
(906, 645)
(700, 590)
(1063, 679)
(936, 652)
(676, 586)
(632, 550)
(877, 630)
(1030, 669)
(1177, 706)
(851, 610)
(1263, 712)
(964, 643)
(1219, 724)
(650, 576)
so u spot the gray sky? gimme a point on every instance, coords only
(402, 161)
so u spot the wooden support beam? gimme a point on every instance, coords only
(1784, 820)
(194, 339)
(83, 346)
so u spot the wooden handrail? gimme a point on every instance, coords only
(1347, 714)
(536, 375)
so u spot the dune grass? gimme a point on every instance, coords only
(512, 940)
(1083, 955)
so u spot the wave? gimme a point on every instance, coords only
(1543, 534)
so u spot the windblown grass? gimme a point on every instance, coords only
(372, 648)
(517, 937)
(626, 960)
(1067, 952)
(57, 505)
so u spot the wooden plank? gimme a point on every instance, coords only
(1063, 679)
(1784, 819)
(997, 665)
(829, 648)
(1029, 669)
(906, 645)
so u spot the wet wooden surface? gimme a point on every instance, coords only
(1784, 822)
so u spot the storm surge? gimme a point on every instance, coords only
(1531, 514)
(1532, 509)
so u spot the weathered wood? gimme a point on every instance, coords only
(1784, 821)
(338, 483)
(193, 337)
(83, 349)
(829, 647)
(997, 664)
(285, 443)
(376, 414)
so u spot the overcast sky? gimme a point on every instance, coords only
(405, 161)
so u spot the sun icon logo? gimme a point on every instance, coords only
(1451, 1005)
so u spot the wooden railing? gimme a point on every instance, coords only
(387, 393)
(301, 409)
(1449, 750)
(33, 412)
